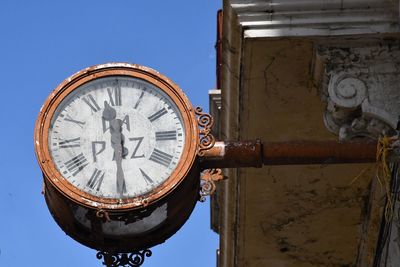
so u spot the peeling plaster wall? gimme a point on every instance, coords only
(288, 216)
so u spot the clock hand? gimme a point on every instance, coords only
(109, 113)
(117, 141)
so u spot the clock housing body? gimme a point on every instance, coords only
(117, 145)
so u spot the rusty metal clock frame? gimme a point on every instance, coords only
(53, 176)
(176, 195)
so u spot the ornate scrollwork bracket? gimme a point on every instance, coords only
(123, 259)
(207, 141)
(207, 183)
(205, 122)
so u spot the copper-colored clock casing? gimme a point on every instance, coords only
(179, 191)
(180, 201)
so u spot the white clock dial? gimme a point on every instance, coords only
(116, 137)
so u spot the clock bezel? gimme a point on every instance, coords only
(51, 173)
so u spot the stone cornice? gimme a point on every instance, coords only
(285, 18)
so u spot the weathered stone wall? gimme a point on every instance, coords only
(311, 215)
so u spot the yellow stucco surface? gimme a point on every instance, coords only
(310, 215)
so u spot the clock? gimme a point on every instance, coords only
(116, 137)
(117, 145)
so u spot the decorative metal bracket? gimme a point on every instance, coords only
(123, 259)
(207, 183)
(205, 122)
(207, 141)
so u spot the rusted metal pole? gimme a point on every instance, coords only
(235, 154)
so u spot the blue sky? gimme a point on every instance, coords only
(44, 42)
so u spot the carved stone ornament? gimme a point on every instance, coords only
(361, 84)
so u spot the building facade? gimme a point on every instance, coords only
(305, 70)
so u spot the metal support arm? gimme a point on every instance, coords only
(235, 154)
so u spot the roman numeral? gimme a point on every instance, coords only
(138, 101)
(161, 157)
(89, 100)
(165, 135)
(95, 180)
(79, 123)
(158, 114)
(146, 177)
(115, 96)
(70, 143)
(76, 164)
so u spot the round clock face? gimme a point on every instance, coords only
(116, 137)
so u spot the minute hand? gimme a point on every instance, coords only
(117, 140)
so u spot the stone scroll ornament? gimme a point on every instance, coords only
(207, 141)
(361, 86)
